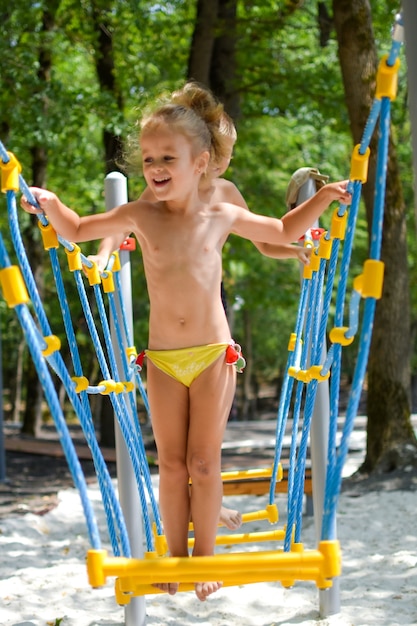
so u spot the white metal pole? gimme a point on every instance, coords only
(329, 599)
(115, 191)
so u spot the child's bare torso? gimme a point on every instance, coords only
(182, 256)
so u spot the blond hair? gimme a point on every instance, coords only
(221, 127)
(181, 119)
(193, 111)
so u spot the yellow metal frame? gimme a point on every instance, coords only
(136, 577)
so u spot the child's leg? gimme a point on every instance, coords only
(211, 396)
(169, 406)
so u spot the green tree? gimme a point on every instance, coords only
(274, 63)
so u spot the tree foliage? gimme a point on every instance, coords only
(287, 95)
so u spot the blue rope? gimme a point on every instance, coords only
(315, 335)
(133, 440)
(129, 341)
(57, 364)
(334, 480)
(32, 339)
(119, 409)
(138, 432)
(287, 387)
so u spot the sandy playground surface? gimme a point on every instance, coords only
(43, 578)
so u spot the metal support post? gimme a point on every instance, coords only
(329, 599)
(115, 189)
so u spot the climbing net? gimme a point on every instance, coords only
(305, 370)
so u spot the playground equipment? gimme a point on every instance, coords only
(291, 561)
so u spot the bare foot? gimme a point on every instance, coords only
(230, 518)
(170, 588)
(203, 590)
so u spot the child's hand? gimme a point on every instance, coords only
(43, 197)
(338, 192)
(304, 254)
(100, 260)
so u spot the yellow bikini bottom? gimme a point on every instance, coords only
(186, 364)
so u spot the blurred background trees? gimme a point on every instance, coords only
(297, 77)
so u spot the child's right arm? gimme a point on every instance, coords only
(71, 226)
(109, 244)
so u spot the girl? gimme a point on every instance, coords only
(213, 189)
(190, 384)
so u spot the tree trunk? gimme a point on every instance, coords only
(389, 429)
(105, 69)
(201, 51)
(213, 51)
(223, 65)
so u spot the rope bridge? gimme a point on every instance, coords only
(305, 370)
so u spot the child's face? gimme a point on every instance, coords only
(169, 167)
(219, 167)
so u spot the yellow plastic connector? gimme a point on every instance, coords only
(325, 247)
(74, 258)
(272, 512)
(116, 265)
(313, 266)
(370, 283)
(109, 386)
(315, 262)
(53, 344)
(161, 545)
(128, 386)
(307, 272)
(13, 286)
(10, 173)
(108, 282)
(81, 383)
(303, 376)
(338, 226)
(95, 567)
(93, 274)
(123, 597)
(292, 371)
(131, 352)
(315, 373)
(332, 562)
(292, 342)
(49, 236)
(387, 79)
(338, 335)
(359, 164)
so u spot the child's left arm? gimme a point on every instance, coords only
(294, 224)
